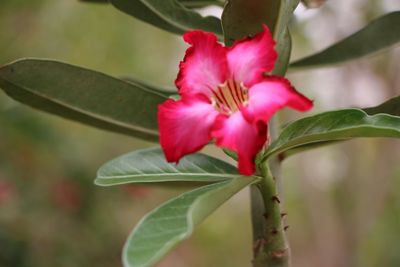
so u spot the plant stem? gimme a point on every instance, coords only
(270, 245)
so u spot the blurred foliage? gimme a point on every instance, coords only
(343, 201)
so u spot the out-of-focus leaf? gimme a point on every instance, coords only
(241, 18)
(392, 107)
(313, 3)
(169, 15)
(95, 1)
(376, 36)
(201, 3)
(163, 228)
(149, 166)
(83, 95)
(334, 125)
(284, 49)
(285, 14)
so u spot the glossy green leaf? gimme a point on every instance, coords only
(391, 107)
(149, 166)
(83, 95)
(163, 228)
(376, 36)
(335, 125)
(169, 15)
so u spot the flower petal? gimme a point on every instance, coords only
(245, 138)
(185, 126)
(204, 66)
(271, 95)
(249, 58)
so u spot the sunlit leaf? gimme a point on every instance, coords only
(376, 36)
(149, 166)
(163, 228)
(335, 125)
(84, 95)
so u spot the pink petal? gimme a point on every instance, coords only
(271, 95)
(204, 66)
(248, 59)
(245, 138)
(185, 126)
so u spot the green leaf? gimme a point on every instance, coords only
(201, 3)
(163, 228)
(334, 125)
(169, 15)
(243, 17)
(95, 1)
(149, 166)
(166, 91)
(287, 8)
(284, 49)
(376, 36)
(83, 95)
(391, 107)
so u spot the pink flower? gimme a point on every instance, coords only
(225, 96)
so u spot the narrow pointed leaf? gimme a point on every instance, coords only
(376, 36)
(163, 228)
(83, 95)
(169, 15)
(149, 166)
(335, 125)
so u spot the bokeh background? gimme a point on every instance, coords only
(343, 201)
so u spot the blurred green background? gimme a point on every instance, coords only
(343, 201)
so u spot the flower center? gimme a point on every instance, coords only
(229, 97)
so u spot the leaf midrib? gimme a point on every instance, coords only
(289, 142)
(85, 112)
(169, 174)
